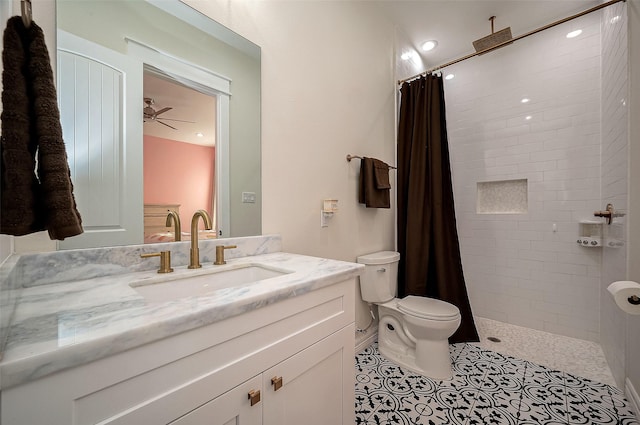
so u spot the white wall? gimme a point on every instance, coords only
(615, 157)
(518, 270)
(6, 247)
(327, 91)
(620, 154)
(327, 73)
(633, 322)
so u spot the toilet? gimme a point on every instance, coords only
(413, 331)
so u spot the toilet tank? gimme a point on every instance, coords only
(379, 282)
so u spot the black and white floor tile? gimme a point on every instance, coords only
(487, 388)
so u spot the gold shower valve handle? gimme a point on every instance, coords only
(254, 397)
(276, 381)
(609, 213)
(165, 260)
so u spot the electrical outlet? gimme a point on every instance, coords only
(248, 197)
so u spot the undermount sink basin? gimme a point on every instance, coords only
(187, 283)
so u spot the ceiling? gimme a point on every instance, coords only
(187, 105)
(455, 24)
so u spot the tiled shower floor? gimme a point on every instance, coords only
(489, 387)
(575, 356)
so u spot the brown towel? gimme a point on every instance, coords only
(381, 174)
(30, 125)
(368, 193)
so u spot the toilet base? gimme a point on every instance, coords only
(428, 358)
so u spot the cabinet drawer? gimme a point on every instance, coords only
(169, 407)
(232, 407)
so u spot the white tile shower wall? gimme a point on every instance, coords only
(615, 153)
(518, 269)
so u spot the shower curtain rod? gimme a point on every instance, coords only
(504, 43)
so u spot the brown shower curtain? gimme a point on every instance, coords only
(430, 263)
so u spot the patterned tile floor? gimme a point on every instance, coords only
(487, 388)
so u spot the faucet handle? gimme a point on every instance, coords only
(165, 260)
(609, 213)
(220, 254)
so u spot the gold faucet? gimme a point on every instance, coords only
(177, 230)
(194, 262)
(220, 254)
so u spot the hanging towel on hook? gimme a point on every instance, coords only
(31, 127)
(374, 187)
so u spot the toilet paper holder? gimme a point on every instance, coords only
(626, 294)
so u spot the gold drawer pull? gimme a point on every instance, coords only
(276, 381)
(254, 396)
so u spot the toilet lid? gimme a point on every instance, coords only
(428, 308)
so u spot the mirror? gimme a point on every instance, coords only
(162, 40)
(179, 133)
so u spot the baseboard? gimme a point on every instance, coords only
(633, 397)
(366, 342)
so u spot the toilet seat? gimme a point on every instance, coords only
(428, 308)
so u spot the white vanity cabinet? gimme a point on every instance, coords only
(304, 389)
(305, 344)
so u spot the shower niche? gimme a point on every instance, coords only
(502, 197)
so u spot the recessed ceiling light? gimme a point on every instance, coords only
(574, 33)
(429, 45)
(525, 100)
(407, 55)
(528, 117)
(199, 134)
(449, 77)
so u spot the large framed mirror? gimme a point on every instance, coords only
(160, 107)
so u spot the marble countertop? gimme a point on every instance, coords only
(62, 325)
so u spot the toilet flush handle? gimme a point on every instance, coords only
(382, 270)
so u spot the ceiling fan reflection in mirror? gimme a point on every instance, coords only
(151, 114)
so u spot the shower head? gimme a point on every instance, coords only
(493, 39)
